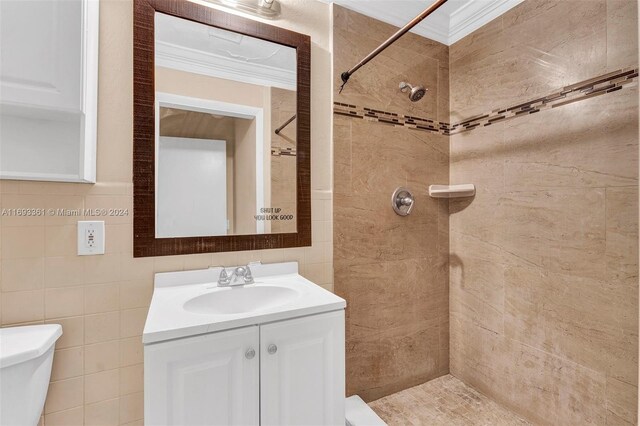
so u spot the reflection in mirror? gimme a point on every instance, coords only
(221, 167)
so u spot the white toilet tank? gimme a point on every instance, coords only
(26, 356)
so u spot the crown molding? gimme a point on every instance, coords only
(451, 22)
(195, 61)
(475, 14)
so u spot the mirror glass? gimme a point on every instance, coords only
(225, 132)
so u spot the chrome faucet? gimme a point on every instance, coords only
(240, 276)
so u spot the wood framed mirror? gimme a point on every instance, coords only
(221, 152)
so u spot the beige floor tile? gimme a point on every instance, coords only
(443, 401)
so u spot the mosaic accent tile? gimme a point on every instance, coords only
(391, 118)
(583, 90)
(600, 85)
(283, 152)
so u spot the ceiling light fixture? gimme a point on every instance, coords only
(269, 9)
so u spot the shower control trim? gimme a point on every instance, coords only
(402, 201)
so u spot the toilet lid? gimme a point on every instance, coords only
(20, 344)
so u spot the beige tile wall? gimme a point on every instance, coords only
(392, 270)
(413, 59)
(102, 301)
(544, 260)
(550, 239)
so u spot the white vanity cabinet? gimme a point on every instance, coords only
(288, 372)
(268, 353)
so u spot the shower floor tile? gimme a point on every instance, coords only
(443, 401)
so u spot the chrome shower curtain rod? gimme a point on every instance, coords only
(415, 21)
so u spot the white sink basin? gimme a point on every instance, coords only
(240, 300)
(189, 303)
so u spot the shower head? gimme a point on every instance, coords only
(415, 92)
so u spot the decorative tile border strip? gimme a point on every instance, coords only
(283, 152)
(391, 118)
(600, 85)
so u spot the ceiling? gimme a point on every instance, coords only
(448, 24)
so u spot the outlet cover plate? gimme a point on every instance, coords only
(90, 237)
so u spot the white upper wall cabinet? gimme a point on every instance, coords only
(48, 89)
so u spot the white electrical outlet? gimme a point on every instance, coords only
(90, 237)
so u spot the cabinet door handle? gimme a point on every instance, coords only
(250, 353)
(272, 349)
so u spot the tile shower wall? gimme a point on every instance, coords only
(544, 260)
(102, 301)
(283, 156)
(392, 270)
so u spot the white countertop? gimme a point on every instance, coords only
(167, 318)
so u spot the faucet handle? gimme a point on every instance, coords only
(224, 277)
(248, 276)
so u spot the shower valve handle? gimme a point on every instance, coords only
(406, 201)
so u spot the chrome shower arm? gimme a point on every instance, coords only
(415, 21)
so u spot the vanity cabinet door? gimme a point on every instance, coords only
(212, 379)
(302, 371)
